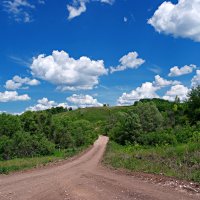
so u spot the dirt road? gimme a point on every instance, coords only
(84, 179)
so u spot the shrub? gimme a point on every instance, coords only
(25, 145)
(6, 147)
(127, 129)
(9, 124)
(183, 134)
(157, 138)
(150, 117)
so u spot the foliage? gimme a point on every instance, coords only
(150, 117)
(37, 122)
(9, 124)
(181, 161)
(41, 133)
(57, 110)
(167, 143)
(127, 129)
(161, 104)
(157, 138)
(194, 104)
(25, 163)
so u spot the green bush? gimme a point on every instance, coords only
(6, 148)
(9, 124)
(127, 129)
(183, 134)
(150, 117)
(157, 138)
(25, 145)
(83, 132)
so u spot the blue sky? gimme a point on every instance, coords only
(89, 52)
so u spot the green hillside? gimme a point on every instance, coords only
(94, 114)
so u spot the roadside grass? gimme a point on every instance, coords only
(181, 161)
(27, 163)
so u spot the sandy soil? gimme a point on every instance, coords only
(84, 178)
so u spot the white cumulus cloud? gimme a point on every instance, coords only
(161, 82)
(77, 7)
(76, 11)
(180, 20)
(177, 90)
(196, 79)
(17, 82)
(44, 104)
(8, 96)
(187, 69)
(147, 90)
(130, 60)
(83, 101)
(66, 72)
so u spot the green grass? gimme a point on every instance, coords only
(95, 114)
(27, 163)
(181, 161)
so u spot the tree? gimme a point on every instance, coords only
(6, 148)
(177, 99)
(37, 122)
(9, 124)
(29, 123)
(127, 128)
(150, 117)
(194, 104)
(25, 145)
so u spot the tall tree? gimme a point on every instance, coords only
(194, 104)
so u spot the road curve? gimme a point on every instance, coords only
(84, 179)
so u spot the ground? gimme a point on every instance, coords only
(84, 178)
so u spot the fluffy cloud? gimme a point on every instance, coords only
(83, 101)
(44, 104)
(147, 90)
(130, 60)
(17, 82)
(76, 11)
(8, 96)
(79, 6)
(66, 72)
(177, 90)
(181, 19)
(196, 79)
(161, 82)
(187, 69)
